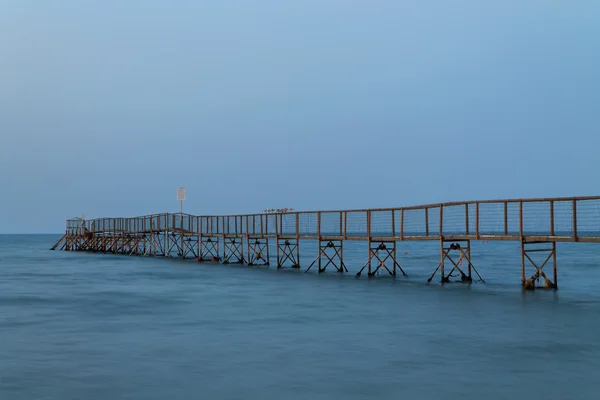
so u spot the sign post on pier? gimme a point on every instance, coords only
(181, 197)
(181, 192)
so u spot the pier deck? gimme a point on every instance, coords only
(538, 223)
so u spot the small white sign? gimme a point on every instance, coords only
(181, 194)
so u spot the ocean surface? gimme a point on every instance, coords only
(94, 326)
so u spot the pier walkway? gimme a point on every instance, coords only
(538, 223)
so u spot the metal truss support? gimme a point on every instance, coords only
(385, 254)
(288, 250)
(153, 244)
(258, 251)
(209, 249)
(190, 247)
(528, 251)
(464, 255)
(233, 251)
(62, 241)
(333, 252)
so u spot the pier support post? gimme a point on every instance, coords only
(385, 254)
(69, 242)
(172, 244)
(548, 252)
(120, 244)
(166, 249)
(164, 243)
(154, 244)
(67, 245)
(288, 250)
(233, 251)
(79, 242)
(333, 251)
(464, 253)
(101, 246)
(85, 242)
(75, 243)
(190, 247)
(137, 244)
(62, 241)
(209, 249)
(139, 247)
(99, 238)
(258, 251)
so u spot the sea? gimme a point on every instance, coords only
(77, 325)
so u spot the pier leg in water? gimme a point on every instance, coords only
(288, 250)
(333, 251)
(134, 243)
(69, 242)
(209, 249)
(258, 251)
(138, 245)
(75, 242)
(154, 244)
(86, 242)
(538, 253)
(385, 254)
(109, 243)
(174, 244)
(62, 241)
(190, 247)
(464, 253)
(104, 243)
(233, 251)
(120, 244)
(113, 243)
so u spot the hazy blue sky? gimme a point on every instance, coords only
(106, 107)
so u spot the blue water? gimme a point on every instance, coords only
(95, 326)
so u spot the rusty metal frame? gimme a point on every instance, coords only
(336, 259)
(389, 250)
(288, 250)
(190, 247)
(233, 248)
(464, 252)
(155, 241)
(209, 249)
(258, 251)
(538, 247)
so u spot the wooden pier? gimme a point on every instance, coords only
(537, 223)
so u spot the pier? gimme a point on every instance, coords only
(537, 223)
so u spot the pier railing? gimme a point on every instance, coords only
(557, 219)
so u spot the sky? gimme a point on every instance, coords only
(107, 107)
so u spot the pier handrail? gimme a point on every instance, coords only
(554, 218)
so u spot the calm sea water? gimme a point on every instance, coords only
(94, 326)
